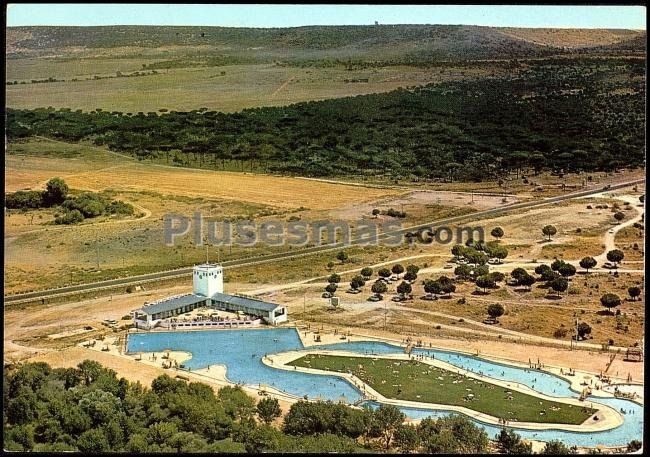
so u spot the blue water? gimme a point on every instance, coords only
(538, 380)
(241, 353)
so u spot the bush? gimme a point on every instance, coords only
(30, 199)
(120, 207)
(70, 217)
(560, 332)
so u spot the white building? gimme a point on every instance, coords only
(207, 282)
(207, 279)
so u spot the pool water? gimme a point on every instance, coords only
(241, 352)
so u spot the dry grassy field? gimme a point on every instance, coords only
(239, 87)
(39, 254)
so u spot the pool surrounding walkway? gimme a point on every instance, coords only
(241, 353)
(606, 418)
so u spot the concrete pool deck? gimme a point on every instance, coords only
(608, 418)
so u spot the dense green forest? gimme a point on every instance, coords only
(559, 114)
(90, 409)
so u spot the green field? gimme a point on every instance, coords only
(415, 381)
(226, 88)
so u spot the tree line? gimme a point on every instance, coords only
(564, 117)
(90, 409)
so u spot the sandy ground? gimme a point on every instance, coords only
(476, 201)
(144, 371)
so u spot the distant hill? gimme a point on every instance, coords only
(379, 42)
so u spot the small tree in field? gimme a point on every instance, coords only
(384, 273)
(567, 270)
(541, 269)
(463, 271)
(379, 288)
(495, 311)
(410, 276)
(376, 212)
(549, 231)
(432, 287)
(485, 282)
(634, 292)
(559, 285)
(412, 269)
(584, 329)
(334, 278)
(56, 191)
(499, 253)
(366, 272)
(397, 269)
(404, 288)
(588, 262)
(458, 251)
(518, 273)
(331, 288)
(610, 301)
(448, 288)
(497, 232)
(357, 282)
(616, 256)
(342, 256)
(619, 216)
(527, 281)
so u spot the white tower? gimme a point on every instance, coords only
(207, 279)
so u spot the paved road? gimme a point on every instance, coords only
(180, 272)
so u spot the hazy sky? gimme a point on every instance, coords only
(632, 17)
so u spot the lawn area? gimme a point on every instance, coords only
(416, 381)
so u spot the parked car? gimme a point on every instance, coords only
(609, 265)
(326, 295)
(353, 291)
(375, 298)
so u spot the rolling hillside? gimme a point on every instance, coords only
(359, 42)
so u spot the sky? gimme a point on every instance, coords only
(628, 17)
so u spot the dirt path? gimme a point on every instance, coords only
(610, 236)
(282, 87)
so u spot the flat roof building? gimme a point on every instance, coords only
(207, 280)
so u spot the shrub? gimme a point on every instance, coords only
(70, 217)
(560, 332)
(30, 199)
